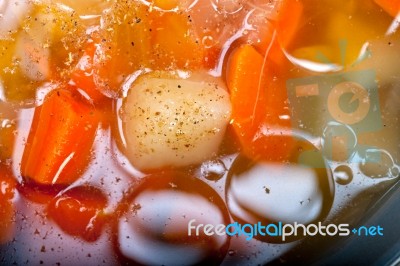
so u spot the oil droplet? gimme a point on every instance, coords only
(227, 6)
(231, 252)
(213, 170)
(394, 171)
(157, 232)
(378, 163)
(338, 141)
(343, 174)
(300, 190)
(208, 41)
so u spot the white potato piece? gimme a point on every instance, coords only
(172, 122)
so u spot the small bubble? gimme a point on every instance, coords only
(394, 171)
(227, 7)
(213, 170)
(208, 41)
(343, 175)
(378, 163)
(338, 142)
(232, 252)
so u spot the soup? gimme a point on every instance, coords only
(152, 132)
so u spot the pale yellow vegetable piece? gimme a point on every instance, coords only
(172, 122)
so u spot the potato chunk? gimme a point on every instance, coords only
(172, 122)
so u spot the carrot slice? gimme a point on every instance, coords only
(390, 6)
(7, 212)
(80, 212)
(144, 37)
(82, 76)
(289, 18)
(246, 84)
(60, 140)
(285, 25)
(259, 106)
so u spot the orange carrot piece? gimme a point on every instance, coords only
(390, 6)
(82, 76)
(289, 19)
(286, 25)
(246, 85)
(278, 35)
(60, 140)
(258, 103)
(80, 212)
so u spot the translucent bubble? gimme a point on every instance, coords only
(378, 163)
(231, 252)
(338, 141)
(227, 6)
(394, 171)
(343, 174)
(153, 226)
(213, 170)
(299, 190)
(208, 41)
(6, 123)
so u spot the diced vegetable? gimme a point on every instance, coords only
(80, 212)
(145, 37)
(288, 20)
(274, 27)
(175, 43)
(246, 85)
(82, 77)
(124, 45)
(172, 122)
(43, 46)
(60, 140)
(259, 105)
(390, 6)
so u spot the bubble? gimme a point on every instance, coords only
(378, 163)
(343, 175)
(231, 252)
(394, 171)
(213, 170)
(227, 6)
(208, 41)
(152, 228)
(6, 123)
(299, 190)
(338, 141)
